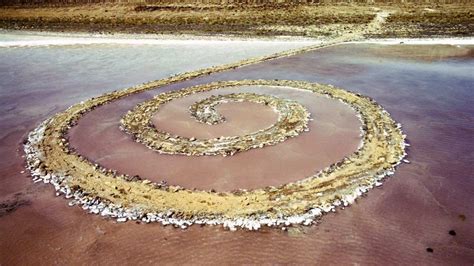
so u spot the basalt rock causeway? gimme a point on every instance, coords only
(103, 191)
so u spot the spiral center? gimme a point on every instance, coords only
(241, 118)
(292, 120)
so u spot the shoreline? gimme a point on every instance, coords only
(152, 36)
(49, 38)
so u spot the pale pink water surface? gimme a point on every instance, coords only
(393, 225)
(333, 134)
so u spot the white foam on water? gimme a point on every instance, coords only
(32, 39)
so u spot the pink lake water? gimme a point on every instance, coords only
(333, 134)
(428, 89)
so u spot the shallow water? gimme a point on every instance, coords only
(395, 224)
(334, 134)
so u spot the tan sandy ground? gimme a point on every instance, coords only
(322, 21)
(201, 20)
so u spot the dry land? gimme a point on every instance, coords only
(311, 20)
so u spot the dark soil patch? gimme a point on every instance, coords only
(10, 205)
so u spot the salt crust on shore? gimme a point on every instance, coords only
(420, 41)
(31, 39)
